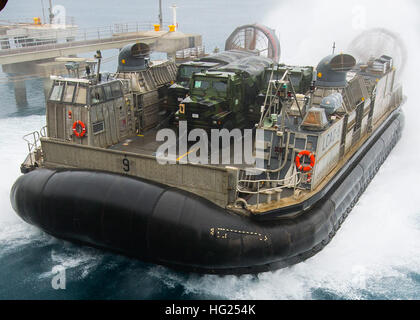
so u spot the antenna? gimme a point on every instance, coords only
(333, 48)
(51, 14)
(43, 11)
(98, 56)
(160, 14)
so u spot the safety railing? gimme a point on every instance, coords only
(189, 53)
(33, 141)
(30, 21)
(68, 36)
(258, 187)
(43, 132)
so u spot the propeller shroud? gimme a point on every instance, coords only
(376, 42)
(257, 38)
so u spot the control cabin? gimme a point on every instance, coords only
(88, 112)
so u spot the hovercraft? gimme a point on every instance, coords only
(95, 173)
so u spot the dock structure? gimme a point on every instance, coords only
(27, 49)
(161, 41)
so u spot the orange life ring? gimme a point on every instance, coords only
(77, 133)
(299, 165)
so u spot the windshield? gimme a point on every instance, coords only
(201, 84)
(220, 86)
(81, 93)
(185, 72)
(97, 95)
(68, 93)
(57, 91)
(210, 86)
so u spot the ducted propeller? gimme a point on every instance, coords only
(255, 37)
(376, 42)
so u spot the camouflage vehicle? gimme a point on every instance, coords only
(224, 97)
(301, 77)
(179, 90)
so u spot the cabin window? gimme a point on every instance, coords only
(116, 89)
(57, 91)
(81, 93)
(97, 95)
(68, 92)
(108, 92)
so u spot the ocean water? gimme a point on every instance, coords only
(375, 254)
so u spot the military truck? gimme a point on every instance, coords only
(226, 96)
(300, 76)
(181, 87)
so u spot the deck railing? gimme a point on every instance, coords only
(33, 140)
(55, 38)
(258, 187)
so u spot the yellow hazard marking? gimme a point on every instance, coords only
(140, 135)
(186, 153)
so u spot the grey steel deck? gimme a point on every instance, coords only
(146, 144)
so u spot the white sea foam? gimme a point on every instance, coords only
(13, 150)
(13, 231)
(378, 246)
(68, 257)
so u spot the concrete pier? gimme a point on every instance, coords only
(161, 41)
(20, 93)
(36, 54)
(42, 69)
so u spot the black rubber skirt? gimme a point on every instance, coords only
(167, 226)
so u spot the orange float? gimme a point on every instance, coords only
(308, 167)
(77, 133)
